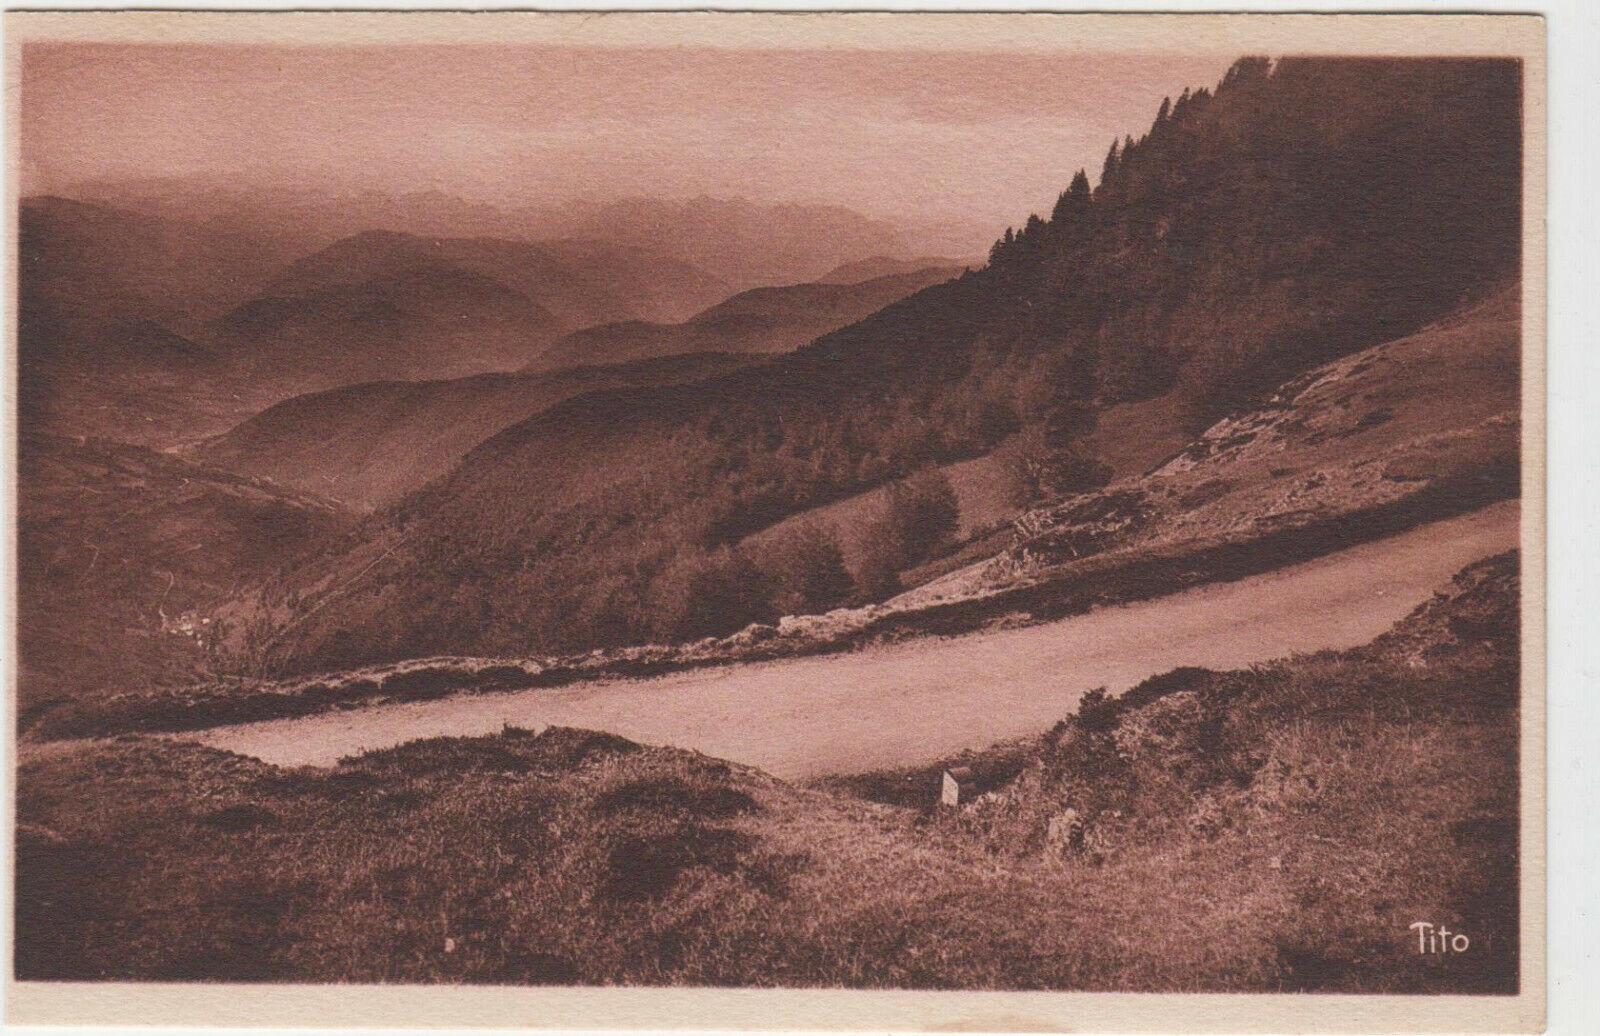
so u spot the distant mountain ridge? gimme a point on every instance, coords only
(581, 282)
(759, 320)
(747, 243)
(156, 330)
(876, 266)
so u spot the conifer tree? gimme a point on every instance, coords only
(1109, 170)
(1074, 201)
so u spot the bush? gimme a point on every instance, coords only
(806, 572)
(879, 558)
(924, 513)
(702, 594)
(1038, 470)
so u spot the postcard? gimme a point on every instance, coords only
(748, 521)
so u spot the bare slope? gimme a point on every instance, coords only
(760, 320)
(367, 445)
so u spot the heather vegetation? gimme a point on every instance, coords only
(1298, 212)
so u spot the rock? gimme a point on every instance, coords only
(1064, 833)
(755, 633)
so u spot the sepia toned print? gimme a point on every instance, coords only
(585, 508)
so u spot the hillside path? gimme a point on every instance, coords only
(917, 701)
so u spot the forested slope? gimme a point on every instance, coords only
(1301, 211)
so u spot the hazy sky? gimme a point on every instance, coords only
(984, 136)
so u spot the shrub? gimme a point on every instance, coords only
(806, 571)
(700, 594)
(879, 558)
(924, 512)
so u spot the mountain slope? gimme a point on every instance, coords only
(761, 320)
(382, 305)
(1299, 213)
(83, 261)
(875, 266)
(120, 548)
(427, 320)
(369, 444)
(581, 282)
(113, 308)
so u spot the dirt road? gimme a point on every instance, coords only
(917, 701)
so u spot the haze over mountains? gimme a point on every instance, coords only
(167, 327)
(368, 444)
(746, 243)
(1299, 212)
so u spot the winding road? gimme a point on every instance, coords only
(917, 701)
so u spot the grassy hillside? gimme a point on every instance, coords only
(1275, 829)
(760, 320)
(369, 444)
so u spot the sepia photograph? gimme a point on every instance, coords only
(988, 503)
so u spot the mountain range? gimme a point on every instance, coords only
(1301, 211)
(748, 244)
(158, 331)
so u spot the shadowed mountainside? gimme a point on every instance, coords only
(369, 444)
(122, 553)
(383, 305)
(113, 312)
